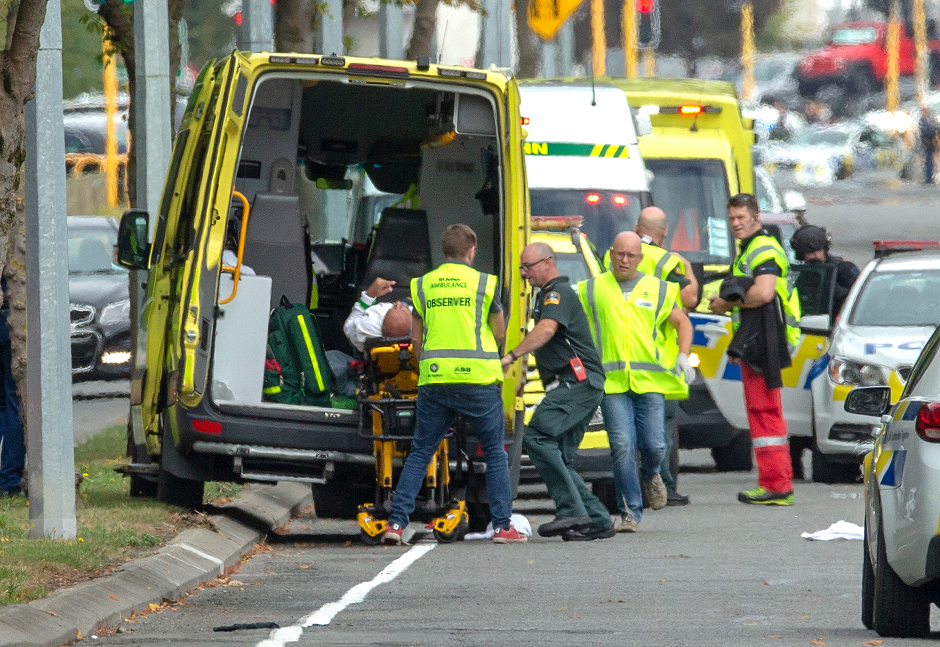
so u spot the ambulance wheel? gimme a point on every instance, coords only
(185, 493)
(868, 585)
(141, 486)
(736, 455)
(450, 537)
(899, 610)
(368, 539)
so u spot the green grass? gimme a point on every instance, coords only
(111, 526)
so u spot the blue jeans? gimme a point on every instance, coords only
(634, 421)
(437, 405)
(12, 441)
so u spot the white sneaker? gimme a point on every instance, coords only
(627, 524)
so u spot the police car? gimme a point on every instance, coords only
(890, 313)
(901, 564)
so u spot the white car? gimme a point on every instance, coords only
(889, 314)
(901, 571)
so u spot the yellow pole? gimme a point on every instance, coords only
(649, 63)
(629, 39)
(747, 48)
(110, 110)
(599, 39)
(893, 42)
(920, 49)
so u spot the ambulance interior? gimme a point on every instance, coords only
(346, 182)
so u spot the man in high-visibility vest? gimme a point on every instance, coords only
(762, 259)
(652, 226)
(643, 337)
(456, 332)
(574, 385)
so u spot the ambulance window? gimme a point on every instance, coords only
(185, 231)
(160, 232)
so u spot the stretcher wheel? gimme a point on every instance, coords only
(450, 537)
(368, 539)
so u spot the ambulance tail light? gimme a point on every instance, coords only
(619, 200)
(689, 110)
(593, 198)
(928, 422)
(385, 71)
(525, 121)
(207, 427)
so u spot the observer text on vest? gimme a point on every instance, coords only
(448, 301)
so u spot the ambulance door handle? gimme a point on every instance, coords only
(712, 330)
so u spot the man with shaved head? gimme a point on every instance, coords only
(640, 332)
(369, 320)
(652, 227)
(574, 385)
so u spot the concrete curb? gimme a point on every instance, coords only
(192, 558)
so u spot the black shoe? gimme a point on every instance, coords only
(674, 498)
(560, 524)
(589, 534)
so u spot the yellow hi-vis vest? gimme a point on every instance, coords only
(631, 335)
(759, 250)
(459, 347)
(657, 262)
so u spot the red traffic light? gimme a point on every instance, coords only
(645, 6)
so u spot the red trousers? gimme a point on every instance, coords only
(768, 432)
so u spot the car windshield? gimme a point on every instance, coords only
(606, 213)
(574, 266)
(909, 298)
(854, 36)
(92, 251)
(694, 195)
(822, 137)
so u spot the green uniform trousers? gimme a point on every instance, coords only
(551, 440)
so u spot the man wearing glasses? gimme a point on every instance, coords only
(638, 326)
(769, 316)
(574, 385)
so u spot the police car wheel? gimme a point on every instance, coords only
(899, 610)
(827, 471)
(868, 585)
(736, 455)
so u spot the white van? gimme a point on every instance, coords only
(582, 157)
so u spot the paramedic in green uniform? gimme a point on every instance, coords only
(574, 386)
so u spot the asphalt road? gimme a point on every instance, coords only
(98, 405)
(713, 573)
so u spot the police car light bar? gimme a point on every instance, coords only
(885, 247)
(555, 222)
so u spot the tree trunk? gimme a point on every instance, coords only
(423, 31)
(22, 24)
(293, 26)
(528, 67)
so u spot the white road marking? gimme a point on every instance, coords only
(325, 614)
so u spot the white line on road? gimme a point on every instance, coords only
(325, 614)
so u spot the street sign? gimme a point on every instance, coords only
(547, 16)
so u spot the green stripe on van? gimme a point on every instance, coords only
(576, 150)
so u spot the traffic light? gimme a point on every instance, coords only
(648, 26)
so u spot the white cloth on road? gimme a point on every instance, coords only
(839, 530)
(520, 523)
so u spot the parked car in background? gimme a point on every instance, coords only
(900, 571)
(774, 80)
(887, 318)
(820, 155)
(99, 306)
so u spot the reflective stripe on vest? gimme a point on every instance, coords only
(769, 441)
(456, 349)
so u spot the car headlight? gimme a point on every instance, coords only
(844, 371)
(115, 313)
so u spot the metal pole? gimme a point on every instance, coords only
(565, 40)
(548, 64)
(629, 38)
(110, 110)
(747, 48)
(49, 394)
(496, 36)
(893, 43)
(257, 32)
(649, 63)
(598, 39)
(330, 29)
(920, 49)
(391, 31)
